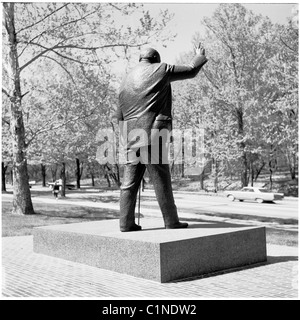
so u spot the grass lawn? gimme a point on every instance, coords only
(282, 237)
(46, 214)
(58, 213)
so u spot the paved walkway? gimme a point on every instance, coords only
(31, 275)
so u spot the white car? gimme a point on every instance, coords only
(259, 195)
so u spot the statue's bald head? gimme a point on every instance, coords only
(150, 54)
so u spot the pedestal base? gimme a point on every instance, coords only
(154, 253)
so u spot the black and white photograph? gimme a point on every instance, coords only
(149, 153)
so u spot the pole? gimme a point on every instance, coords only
(139, 204)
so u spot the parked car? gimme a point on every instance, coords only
(259, 195)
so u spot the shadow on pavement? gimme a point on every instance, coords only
(215, 224)
(219, 273)
(270, 260)
(277, 259)
(212, 224)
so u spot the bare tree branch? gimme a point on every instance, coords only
(43, 128)
(287, 45)
(208, 78)
(51, 127)
(23, 95)
(63, 67)
(51, 30)
(6, 121)
(41, 20)
(218, 35)
(61, 26)
(72, 59)
(33, 59)
(79, 35)
(5, 91)
(43, 54)
(114, 6)
(72, 46)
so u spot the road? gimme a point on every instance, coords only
(287, 208)
(187, 203)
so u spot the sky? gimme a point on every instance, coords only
(187, 17)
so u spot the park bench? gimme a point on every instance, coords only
(31, 183)
(68, 185)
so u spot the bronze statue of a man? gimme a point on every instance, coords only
(145, 103)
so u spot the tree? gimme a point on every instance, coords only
(283, 107)
(243, 43)
(195, 106)
(22, 203)
(246, 99)
(74, 32)
(240, 44)
(275, 108)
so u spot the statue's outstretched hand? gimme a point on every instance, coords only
(200, 49)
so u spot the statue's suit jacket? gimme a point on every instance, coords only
(145, 98)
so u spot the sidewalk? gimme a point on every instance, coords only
(31, 275)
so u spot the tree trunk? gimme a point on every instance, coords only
(272, 169)
(93, 179)
(292, 165)
(201, 177)
(78, 172)
(293, 172)
(43, 169)
(244, 175)
(53, 172)
(22, 203)
(271, 179)
(252, 173)
(182, 164)
(240, 120)
(114, 173)
(4, 168)
(258, 171)
(63, 178)
(117, 174)
(107, 179)
(172, 166)
(216, 180)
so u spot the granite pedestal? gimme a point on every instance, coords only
(154, 253)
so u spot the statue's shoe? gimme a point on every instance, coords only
(134, 227)
(178, 225)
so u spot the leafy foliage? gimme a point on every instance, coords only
(247, 96)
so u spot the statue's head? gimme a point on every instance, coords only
(150, 54)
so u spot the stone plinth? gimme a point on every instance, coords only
(154, 253)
